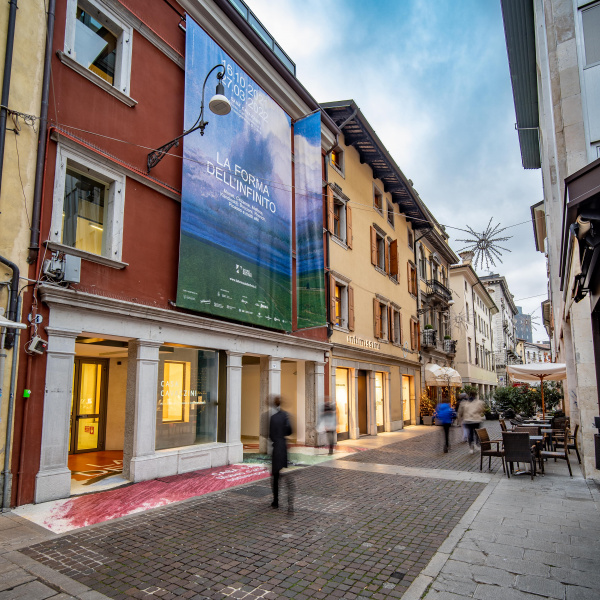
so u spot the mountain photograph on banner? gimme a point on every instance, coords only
(235, 248)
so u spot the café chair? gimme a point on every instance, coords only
(488, 450)
(502, 424)
(530, 429)
(558, 452)
(571, 442)
(518, 449)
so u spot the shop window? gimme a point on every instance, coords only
(390, 213)
(100, 41)
(380, 319)
(339, 216)
(342, 394)
(88, 206)
(341, 302)
(337, 160)
(379, 396)
(412, 279)
(187, 411)
(377, 200)
(407, 392)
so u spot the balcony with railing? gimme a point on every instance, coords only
(437, 290)
(450, 346)
(429, 338)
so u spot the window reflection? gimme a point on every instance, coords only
(379, 398)
(95, 46)
(341, 399)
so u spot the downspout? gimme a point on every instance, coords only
(13, 301)
(9, 419)
(10, 39)
(34, 242)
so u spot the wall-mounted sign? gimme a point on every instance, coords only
(358, 341)
(235, 248)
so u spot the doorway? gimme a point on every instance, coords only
(88, 405)
(362, 403)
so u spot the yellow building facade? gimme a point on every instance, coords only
(372, 282)
(19, 164)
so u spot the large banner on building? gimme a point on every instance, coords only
(310, 281)
(235, 249)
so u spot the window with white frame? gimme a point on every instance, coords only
(99, 40)
(341, 302)
(396, 325)
(377, 199)
(337, 160)
(380, 319)
(390, 213)
(88, 205)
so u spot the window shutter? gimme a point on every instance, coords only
(350, 308)
(332, 299)
(394, 258)
(330, 213)
(391, 324)
(376, 318)
(408, 281)
(348, 226)
(413, 344)
(418, 327)
(386, 246)
(401, 332)
(373, 246)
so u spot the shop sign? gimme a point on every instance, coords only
(358, 341)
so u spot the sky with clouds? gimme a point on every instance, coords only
(431, 76)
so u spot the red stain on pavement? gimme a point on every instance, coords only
(103, 506)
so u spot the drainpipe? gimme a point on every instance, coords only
(9, 419)
(13, 301)
(10, 38)
(34, 242)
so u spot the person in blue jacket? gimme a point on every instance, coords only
(444, 415)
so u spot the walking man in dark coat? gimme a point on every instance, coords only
(279, 428)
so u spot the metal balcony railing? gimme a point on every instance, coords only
(450, 346)
(429, 338)
(435, 288)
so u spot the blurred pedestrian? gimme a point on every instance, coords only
(471, 413)
(279, 429)
(462, 397)
(444, 415)
(329, 423)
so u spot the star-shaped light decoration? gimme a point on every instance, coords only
(485, 245)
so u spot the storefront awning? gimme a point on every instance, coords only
(442, 376)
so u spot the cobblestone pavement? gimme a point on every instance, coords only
(425, 451)
(397, 525)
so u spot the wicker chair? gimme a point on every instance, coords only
(559, 452)
(517, 449)
(502, 424)
(488, 450)
(530, 429)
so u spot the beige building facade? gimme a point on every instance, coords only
(373, 215)
(472, 315)
(554, 59)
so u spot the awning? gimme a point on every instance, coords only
(442, 376)
(538, 372)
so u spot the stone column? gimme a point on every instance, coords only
(53, 480)
(140, 409)
(315, 396)
(234, 407)
(270, 385)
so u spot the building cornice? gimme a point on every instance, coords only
(56, 296)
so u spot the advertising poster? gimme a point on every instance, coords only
(310, 281)
(235, 249)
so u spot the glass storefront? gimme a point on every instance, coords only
(406, 392)
(187, 410)
(341, 399)
(379, 379)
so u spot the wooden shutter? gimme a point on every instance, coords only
(348, 226)
(394, 258)
(330, 213)
(408, 281)
(332, 299)
(413, 344)
(386, 250)
(391, 324)
(418, 327)
(401, 332)
(350, 308)
(373, 246)
(376, 318)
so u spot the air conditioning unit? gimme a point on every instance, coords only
(38, 345)
(63, 268)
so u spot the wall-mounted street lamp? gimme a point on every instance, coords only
(218, 104)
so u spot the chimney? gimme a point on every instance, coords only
(467, 256)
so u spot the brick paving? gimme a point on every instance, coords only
(426, 452)
(353, 534)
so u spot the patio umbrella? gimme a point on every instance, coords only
(538, 372)
(442, 376)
